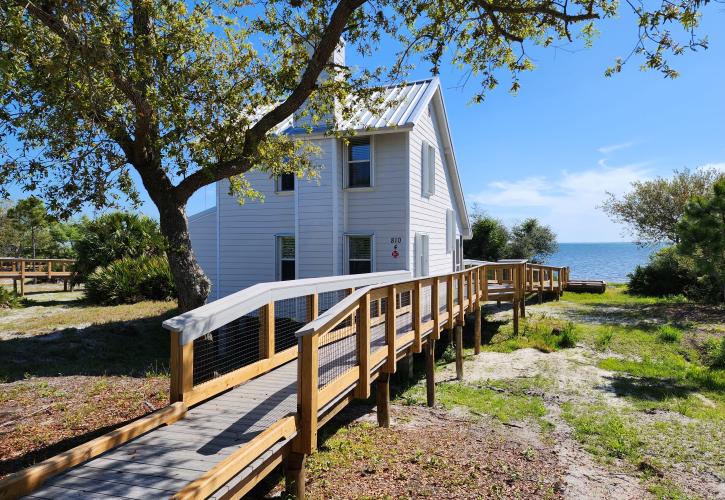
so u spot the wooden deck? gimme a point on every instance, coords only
(19, 270)
(163, 461)
(221, 436)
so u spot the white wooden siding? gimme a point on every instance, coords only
(247, 233)
(428, 214)
(315, 209)
(382, 210)
(202, 230)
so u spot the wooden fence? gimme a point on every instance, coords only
(21, 269)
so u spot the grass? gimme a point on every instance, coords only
(669, 334)
(505, 401)
(604, 432)
(616, 294)
(537, 331)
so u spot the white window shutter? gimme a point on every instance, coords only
(424, 175)
(431, 170)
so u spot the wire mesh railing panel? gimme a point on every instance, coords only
(442, 296)
(456, 284)
(338, 351)
(289, 316)
(233, 346)
(425, 304)
(326, 300)
(403, 314)
(465, 287)
(377, 324)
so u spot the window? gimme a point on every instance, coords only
(286, 182)
(421, 254)
(285, 258)
(359, 164)
(428, 169)
(458, 255)
(360, 254)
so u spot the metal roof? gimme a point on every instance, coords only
(402, 105)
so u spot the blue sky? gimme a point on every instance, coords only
(570, 134)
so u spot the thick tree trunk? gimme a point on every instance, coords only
(192, 285)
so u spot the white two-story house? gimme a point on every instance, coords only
(388, 199)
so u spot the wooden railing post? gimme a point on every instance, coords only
(485, 285)
(362, 390)
(266, 331)
(461, 320)
(551, 279)
(307, 392)
(449, 299)
(22, 277)
(435, 309)
(541, 284)
(515, 303)
(181, 367)
(417, 317)
(522, 289)
(391, 330)
(313, 307)
(477, 329)
(469, 279)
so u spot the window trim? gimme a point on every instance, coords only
(347, 250)
(346, 170)
(278, 255)
(278, 184)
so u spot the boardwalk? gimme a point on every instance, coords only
(240, 423)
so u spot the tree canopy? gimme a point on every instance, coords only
(653, 209)
(189, 93)
(532, 241)
(489, 238)
(702, 231)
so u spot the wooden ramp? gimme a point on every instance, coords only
(251, 385)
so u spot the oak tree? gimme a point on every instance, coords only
(188, 93)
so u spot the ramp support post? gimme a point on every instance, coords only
(459, 352)
(294, 475)
(430, 381)
(383, 399)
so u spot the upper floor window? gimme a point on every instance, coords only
(359, 162)
(286, 182)
(286, 258)
(360, 254)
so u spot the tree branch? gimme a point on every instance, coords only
(324, 50)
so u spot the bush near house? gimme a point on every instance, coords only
(129, 280)
(114, 236)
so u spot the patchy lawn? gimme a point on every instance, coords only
(635, 410)
(70, 371)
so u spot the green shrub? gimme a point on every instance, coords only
(115, 236)
(604, 339)
(667, 273)
(715, 353)
(131, 280)
(8, 299)
(568, 336)
(669, 334)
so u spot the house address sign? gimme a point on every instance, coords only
(395, 241)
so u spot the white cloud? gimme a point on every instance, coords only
(567, 202)
(719, 166)
(605, 150)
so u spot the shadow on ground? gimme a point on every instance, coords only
(119, 348)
